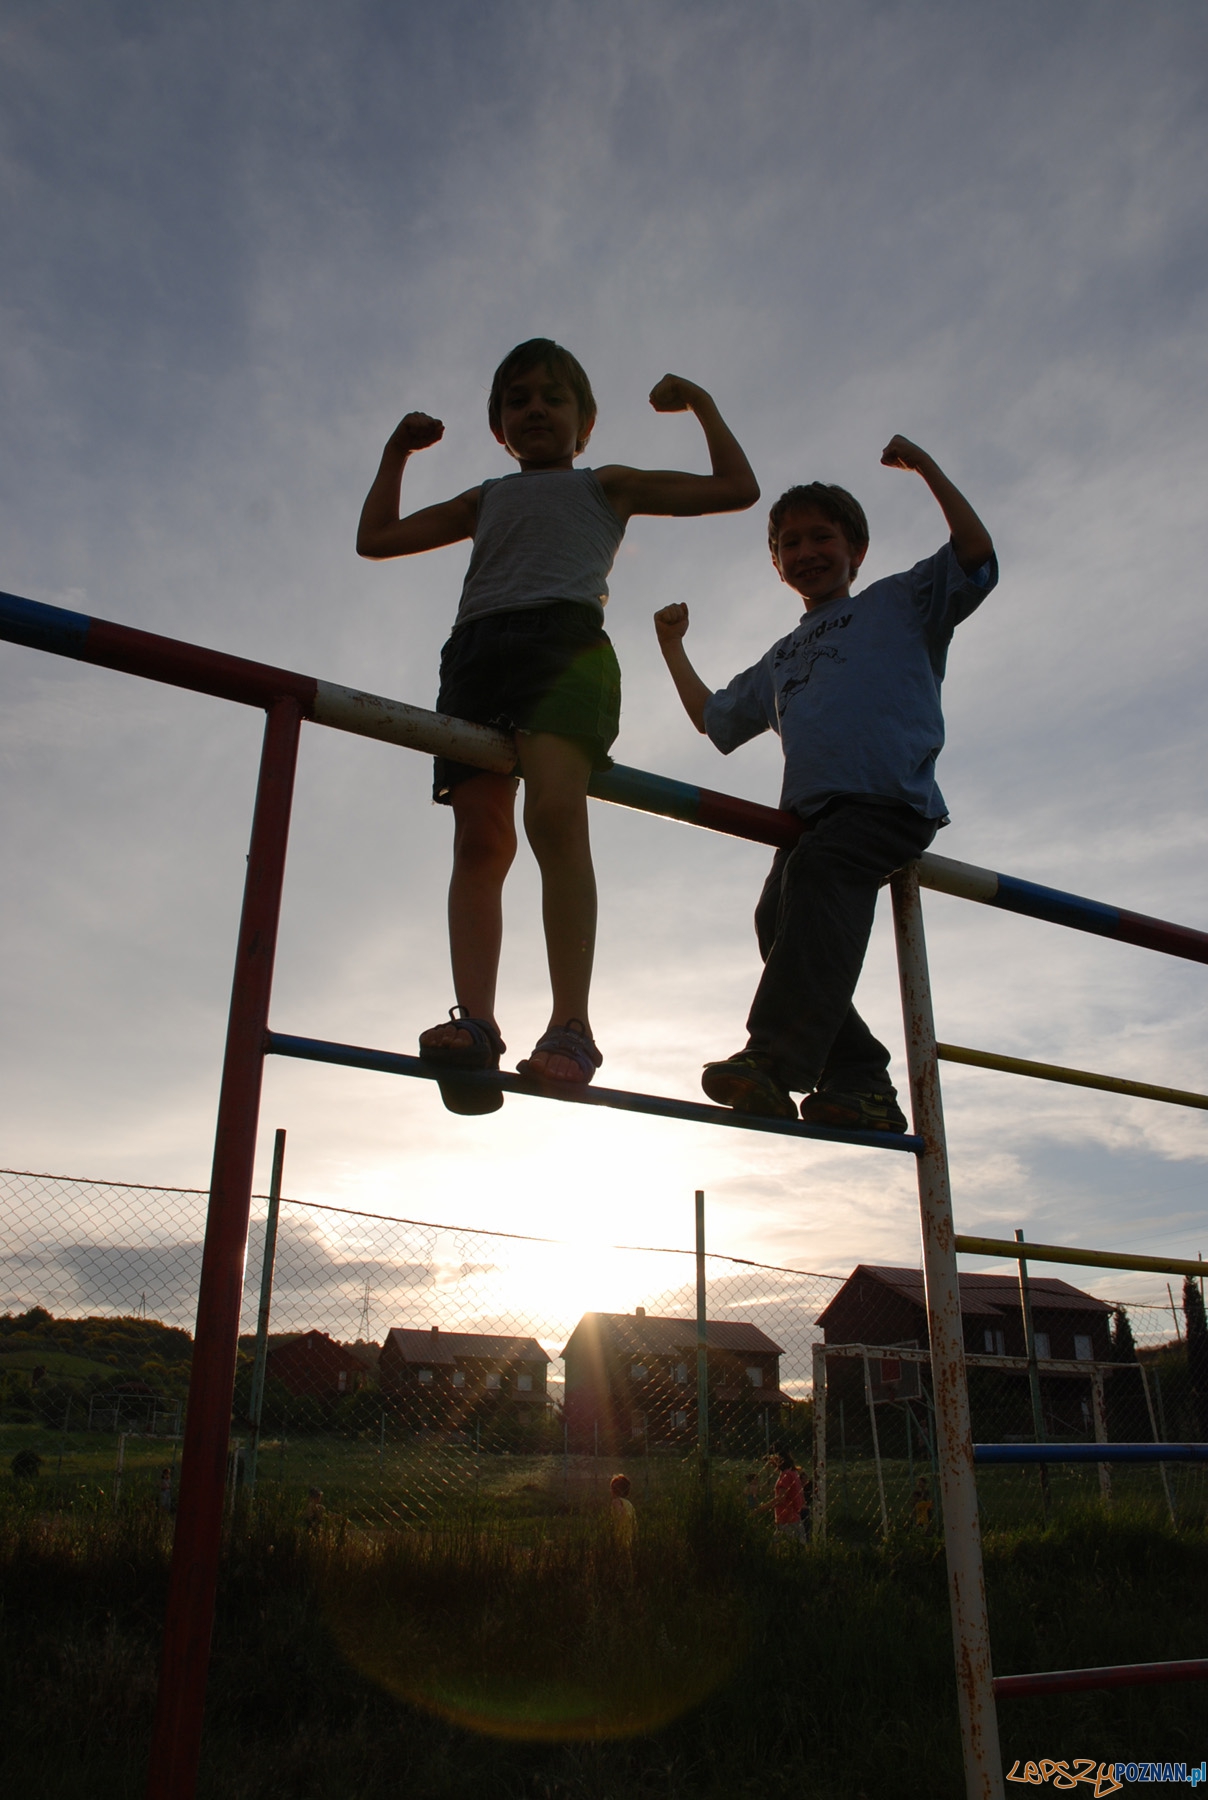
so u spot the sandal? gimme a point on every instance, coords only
(482, 1052)
(745, 1083)
(480, 1055)
(570, 1040)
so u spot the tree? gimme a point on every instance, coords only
(1127, 1413)
(1197, 1349)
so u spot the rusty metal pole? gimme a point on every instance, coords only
(958, 1490)
(818, 1512)
(176, 1738)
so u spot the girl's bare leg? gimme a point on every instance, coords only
(556, 773)
(484, 844)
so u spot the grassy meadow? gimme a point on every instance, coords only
(510, 1649)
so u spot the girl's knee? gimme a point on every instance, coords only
(556, 824)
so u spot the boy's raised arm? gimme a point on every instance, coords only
(971, 542)
(731, 487)
(381, 533)
(670, 623)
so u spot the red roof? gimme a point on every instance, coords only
(662, 1337)
(987, 1295)
(435, 1347)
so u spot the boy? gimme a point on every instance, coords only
(854, 693)
(528, 651)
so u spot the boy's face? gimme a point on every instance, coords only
(540, 422)
(814, 558)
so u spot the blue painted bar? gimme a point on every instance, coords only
(1089, 1453)
(1048, 903)
(41, 627)
(389, 1062)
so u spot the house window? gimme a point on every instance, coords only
(493, 1380)
(459, 1378)
(342, 1382)
(996, 1343)
(524, 1384)
(681, 1373)
(1083, 1349)
(1041, 1340)
(755, 1377)
(637, 1371)
(425, 1376)
(680, 1420)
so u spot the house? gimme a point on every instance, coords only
(631, 1382)
(310, 1362)
(878, 1305)
(440, 1379)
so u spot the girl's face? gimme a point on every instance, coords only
(540, 422)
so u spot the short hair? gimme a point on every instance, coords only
(537, 353)
(834, 503)
(620, 1485)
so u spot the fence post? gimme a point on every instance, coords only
(702, 1350)
(1099, 1412)
(876, 1444)
(958, 1490)
(818, 1512)
(256, 1408)
(1153, 1426)
(192, 1586)
(1029, 1340)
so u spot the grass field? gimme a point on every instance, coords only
(512, 1652)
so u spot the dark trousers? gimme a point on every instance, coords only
(813, 922)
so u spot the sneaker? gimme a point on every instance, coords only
(746, 1084)
(877, 1111)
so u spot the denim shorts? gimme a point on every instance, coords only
(538, 668)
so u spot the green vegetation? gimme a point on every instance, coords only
(513, 1650)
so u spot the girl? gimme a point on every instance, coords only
(529, 653)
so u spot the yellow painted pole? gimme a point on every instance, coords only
(1061, 1253)
(1112, 1084)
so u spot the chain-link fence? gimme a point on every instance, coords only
(415, 1372)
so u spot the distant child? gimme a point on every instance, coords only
(788, 1498)
(922, 1505)
(314, 1512)
(528, 653)
(854, 694)
(165, 1489)
(624, 1518)
(751, 1491)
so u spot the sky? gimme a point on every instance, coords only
(241, 241)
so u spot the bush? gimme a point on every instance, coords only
(26, 1465)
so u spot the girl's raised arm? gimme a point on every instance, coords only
(731, 487)
(381, 533)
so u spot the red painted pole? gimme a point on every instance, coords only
(1074, 1681)
(176, 1738)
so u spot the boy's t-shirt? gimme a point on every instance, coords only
(854, 691)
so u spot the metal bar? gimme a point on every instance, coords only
(818, 1511)
(958, 1486)
(1070, 1681)
(1099, 1412)
(1157, 1438)
(1111, 1084)
(967, 1245)
(260, 1365)
(1090, 1453)
(86, 639)
(702, 1347)
(974, 1359)
(876, 1447)
(389, 1062)
(1029, 1338)
(176, 1738)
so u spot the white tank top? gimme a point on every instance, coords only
(541, 537)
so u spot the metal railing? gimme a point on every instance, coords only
(288, 698)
